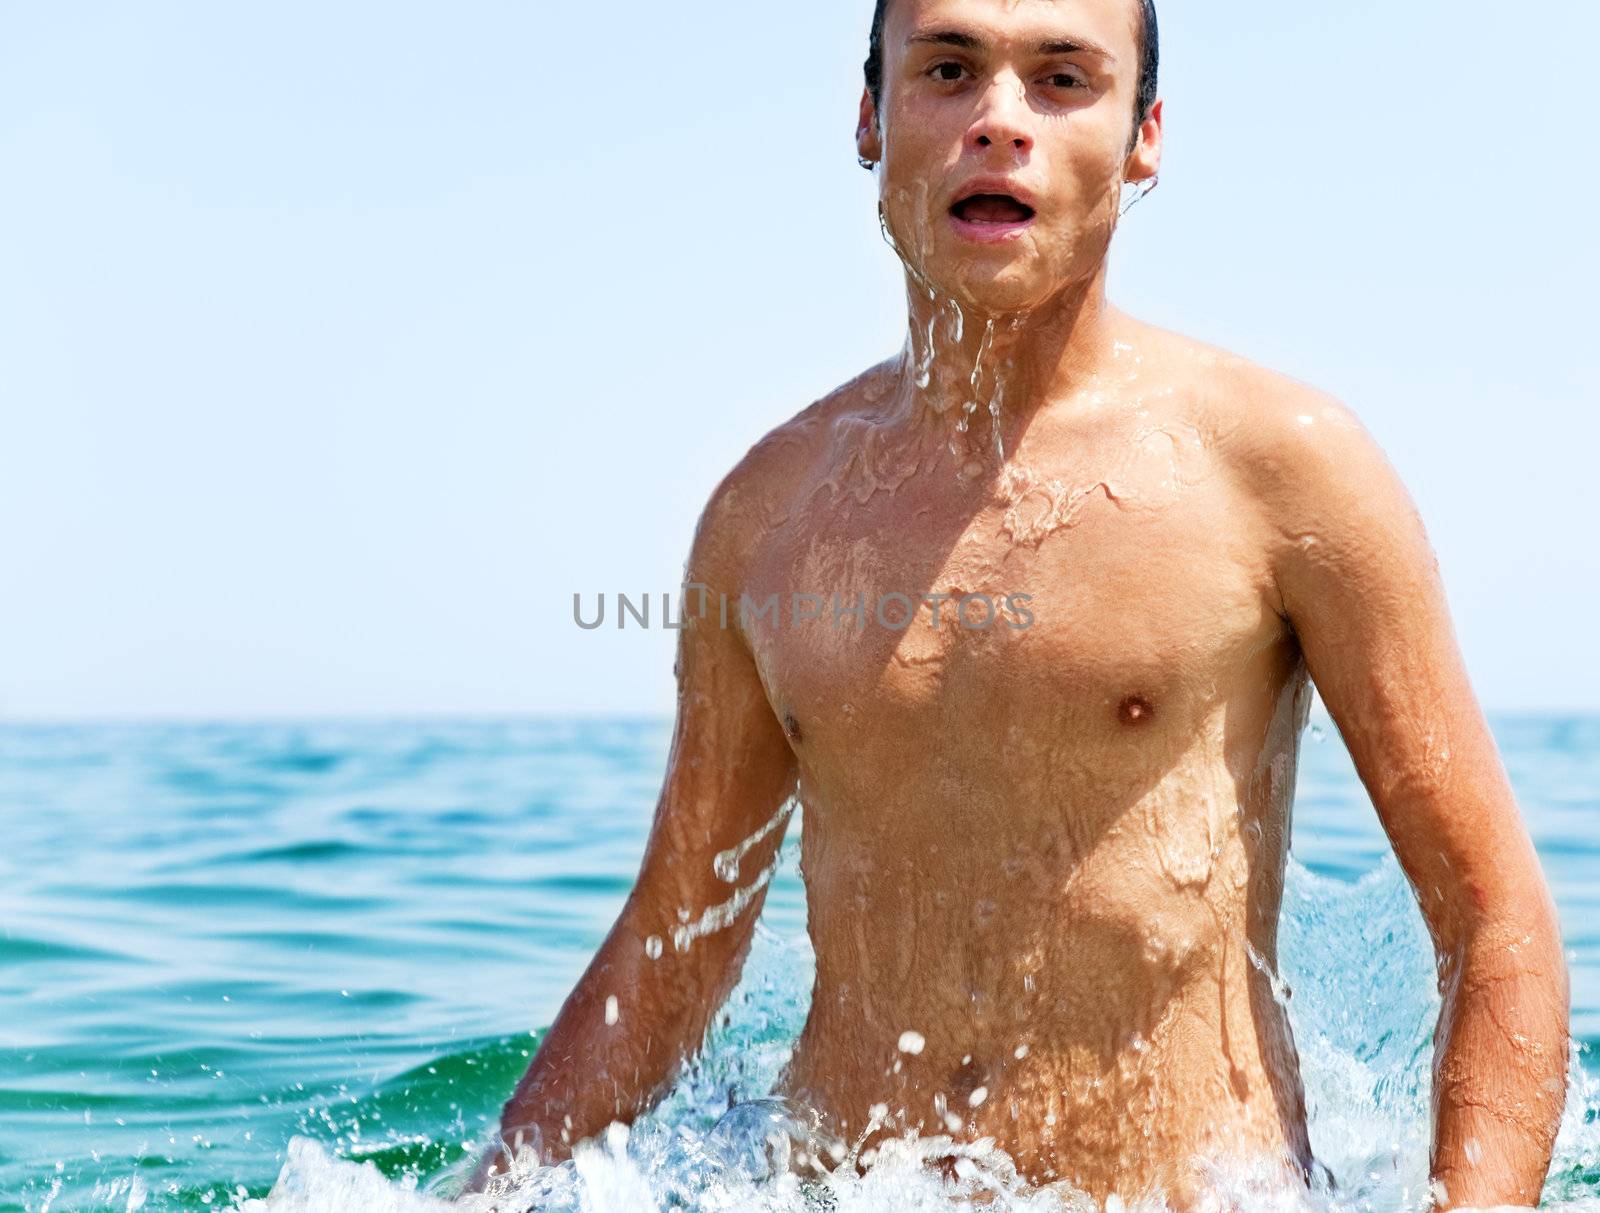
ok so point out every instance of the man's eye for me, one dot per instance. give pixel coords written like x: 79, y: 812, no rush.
x: 1064, y: 80
x: 949, y: 73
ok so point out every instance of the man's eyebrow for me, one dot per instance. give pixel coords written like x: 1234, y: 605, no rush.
x: 1070, y: 46
x: 1052, y: 46
x: 947, y: 37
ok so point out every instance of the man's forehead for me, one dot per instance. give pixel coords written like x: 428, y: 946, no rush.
x: 1113, y: 24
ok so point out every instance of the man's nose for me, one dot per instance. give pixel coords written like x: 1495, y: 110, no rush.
x: 1003, y: 117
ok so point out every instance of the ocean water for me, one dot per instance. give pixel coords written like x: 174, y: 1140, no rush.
x: 299, y: 966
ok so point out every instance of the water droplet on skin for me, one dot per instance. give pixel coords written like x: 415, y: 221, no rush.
x: 977, y: 1097
x: 1281, y: 992
x: 912, y: 1042
x: 652, y: 947
x: 1020, y: 1052
x: 611, y: 1010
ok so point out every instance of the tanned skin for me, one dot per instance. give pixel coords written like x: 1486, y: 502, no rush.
x: 1054, y: 854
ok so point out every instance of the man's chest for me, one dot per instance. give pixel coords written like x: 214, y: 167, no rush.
x: 1115, y: 604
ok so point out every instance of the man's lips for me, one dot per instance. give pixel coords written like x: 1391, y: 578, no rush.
x: 992, y: 208
x: 987, y: 217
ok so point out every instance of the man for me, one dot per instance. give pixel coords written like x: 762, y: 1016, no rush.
x: 1044, y: 857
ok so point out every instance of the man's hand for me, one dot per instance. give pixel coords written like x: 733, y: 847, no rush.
x: 1359, y: 584
x: 644, y: 1003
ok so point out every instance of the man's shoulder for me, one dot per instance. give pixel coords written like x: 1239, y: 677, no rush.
x: 762, y: 487
x: 1285, y: 442
x: 784, y: 456
x: 1303, y: 465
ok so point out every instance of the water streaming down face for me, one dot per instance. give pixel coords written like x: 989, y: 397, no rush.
x: 971, y: 306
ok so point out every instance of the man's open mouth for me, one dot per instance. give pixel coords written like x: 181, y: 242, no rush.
x: 996, y: 209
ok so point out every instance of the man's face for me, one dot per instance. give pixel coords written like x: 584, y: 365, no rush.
x: 1030, y: 105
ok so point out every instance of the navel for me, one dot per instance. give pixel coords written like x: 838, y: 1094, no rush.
x: 1135, y: 710
x: 791, y: 727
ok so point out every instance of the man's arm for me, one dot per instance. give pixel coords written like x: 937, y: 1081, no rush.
x: 729, y: 772
x: 1359, y: 583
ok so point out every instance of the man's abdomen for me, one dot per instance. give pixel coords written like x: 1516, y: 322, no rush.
x: 1103, y: 1017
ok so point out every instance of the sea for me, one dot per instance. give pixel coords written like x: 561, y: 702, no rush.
x: 299, y: 966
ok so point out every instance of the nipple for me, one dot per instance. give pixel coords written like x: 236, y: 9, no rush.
x: 1135, y: 710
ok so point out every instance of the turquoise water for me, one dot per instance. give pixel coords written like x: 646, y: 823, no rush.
x: 234, y: 957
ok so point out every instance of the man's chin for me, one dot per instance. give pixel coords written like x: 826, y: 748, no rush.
x: 996, y: 291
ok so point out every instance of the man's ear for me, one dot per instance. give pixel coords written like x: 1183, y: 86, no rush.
x: 1144, y: 161
x: 869, y: 142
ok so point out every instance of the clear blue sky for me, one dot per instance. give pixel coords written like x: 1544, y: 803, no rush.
x: 340, y: 344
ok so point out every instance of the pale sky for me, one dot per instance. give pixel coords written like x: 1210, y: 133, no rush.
x: 341, y: 344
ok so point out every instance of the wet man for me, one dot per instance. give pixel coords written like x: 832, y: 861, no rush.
x: 1044, y: 863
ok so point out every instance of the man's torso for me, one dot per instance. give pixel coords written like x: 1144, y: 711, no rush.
x: 1043, y: 857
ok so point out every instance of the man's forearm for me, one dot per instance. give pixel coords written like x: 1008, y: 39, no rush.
x: 615, y: 1045
x: 584, y: 1077
x: 1500, y: 1069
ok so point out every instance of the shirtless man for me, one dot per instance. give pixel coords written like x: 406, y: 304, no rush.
x: 1044, y: 859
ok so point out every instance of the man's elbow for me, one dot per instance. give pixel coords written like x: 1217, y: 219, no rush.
x: 1511, y: 954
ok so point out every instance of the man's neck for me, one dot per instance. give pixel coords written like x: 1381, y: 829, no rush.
x: 980, y: 379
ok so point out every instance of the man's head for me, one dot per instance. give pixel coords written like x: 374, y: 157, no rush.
x: 1149, y: 59
x: 1002, y: 131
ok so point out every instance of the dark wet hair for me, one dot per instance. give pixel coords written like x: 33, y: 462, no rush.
x: 1149, y: 58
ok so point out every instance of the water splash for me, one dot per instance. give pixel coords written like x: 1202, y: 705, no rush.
x: 1361, y: 966
x: 722, y: 915
x: 726, y: 864
x: 690, y: 927
x: 1133, y: 193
